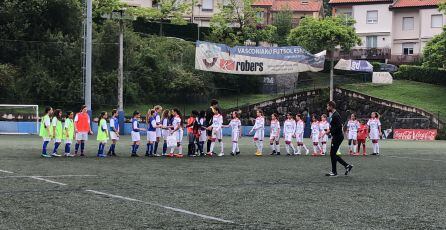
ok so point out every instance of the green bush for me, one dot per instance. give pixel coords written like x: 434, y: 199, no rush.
x: 421, y: 74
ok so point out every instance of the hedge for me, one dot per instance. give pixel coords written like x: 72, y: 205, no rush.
x: 421, y: 74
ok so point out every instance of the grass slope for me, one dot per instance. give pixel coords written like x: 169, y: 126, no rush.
x: 402, y: 189
x: 431, y: 98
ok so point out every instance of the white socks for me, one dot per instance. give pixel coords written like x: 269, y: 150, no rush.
x: 221, y: 146
x: 213, y: 146
x: 287, y: 147
x: 234, y: 147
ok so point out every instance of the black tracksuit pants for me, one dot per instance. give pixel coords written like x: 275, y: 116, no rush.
x: 335, y: 143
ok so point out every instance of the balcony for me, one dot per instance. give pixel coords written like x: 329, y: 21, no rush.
x: 404, y: 59
x: 365, y: 54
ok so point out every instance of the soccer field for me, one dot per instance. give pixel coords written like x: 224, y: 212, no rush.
x: 405, y: 188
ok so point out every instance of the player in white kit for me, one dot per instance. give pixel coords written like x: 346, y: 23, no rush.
x: 235, y: 125
x: 259, y: 129
x: 352, y: 134
x: 374, y: 131
x: 177, y: 131
x: 300, y: 127
x: 217, y: 132
x: 323, y: 137
x: 289, y: 130
x: 315, y: 132
x: 274, y: 135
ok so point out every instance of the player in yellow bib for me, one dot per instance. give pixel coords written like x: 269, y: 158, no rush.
x: 45, y: 130
x: 56, y: 124
x: 68, y: 133
x: 102, y: 133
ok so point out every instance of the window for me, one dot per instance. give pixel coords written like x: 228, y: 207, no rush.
x: 208, y: 5
x: 436, y: 20
x: 261, y: 16
x: 348, y: 14
x: 304, y: 2
x: 408, y: 23
x: 372, y: 17
x: 371, y: 41
x: 407, y: 48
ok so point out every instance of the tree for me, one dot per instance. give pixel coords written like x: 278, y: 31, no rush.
x: 434, y: 53
x: 238, y: 22
x: 283, y: 21
x: 317, y: 35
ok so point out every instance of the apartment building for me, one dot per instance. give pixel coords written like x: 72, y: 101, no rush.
x: 138, y: 3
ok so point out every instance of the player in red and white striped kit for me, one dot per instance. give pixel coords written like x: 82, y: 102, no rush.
x: 323, y: 137
x: 352, y: 134
x: 289, y: 130
x: 300, y: 127
x: 274, y: 135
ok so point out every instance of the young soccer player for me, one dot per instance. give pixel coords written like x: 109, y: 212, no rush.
x: 136, y: 137
x: 374, y: 126
x: 202, y: 132
x: 151, y: 132
x: 191, y: 123
x: 324, y: 127
x: 352, y: 134
x: 235, y: 125
x: 274, y: 135
x: 45, y: 130
x: 158, y: 109
x: 259, y: 128
x: 217, y: 132
x: 177, y: 131
x: 69, y: 133
x: 165, y: 132
x: 114, y: 132
x: 102, y: 135
x: 315, y: 132
x: 362, y: 136
x: 300, y: 128
x: 56, y: 123
x: 289, y: 130
x: 81, y: 128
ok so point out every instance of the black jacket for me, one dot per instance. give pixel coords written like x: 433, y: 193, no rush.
x: 336, y: 125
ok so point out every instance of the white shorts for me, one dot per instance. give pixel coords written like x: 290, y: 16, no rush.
x: 288, y: 137
x: 68, y: 141
x: 203, y: 136
x: 374, y: 135
x: 274, y: 138
x: 178, y: 135
x: 151, y: 136
x: 315, y: 138
x: 300, y: 137
x: 165, y: 133
x: 46, y: 138
x: 259, y: 135
x: 113, y: 136
x: 56, y: 140
x: 324, y: 138
x: 81, y: 136
x: 159, y: 132
x: 235, y: 135
x: 136, y: 136
x: 353, y: 136
x: 217, y: 134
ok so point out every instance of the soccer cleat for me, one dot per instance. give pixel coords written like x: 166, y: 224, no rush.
x: 348, y: 168
x: 209, y: 154
x: 374, y: 154
x: 273, y: 152
x: 45, y: 155
x: 101, y: 155
x: 237, y: 153
x: 331, y: 174
x: 170, y: 155
x: 179, y: 155
x: 356, y: 154
x: 258, y: 153
x: 55, y: 155
x: 134, y: 155
x: 364, y: 154
x: 278, y: 153
x: 307, y: 152
x: 232, y: 154
x: 82, y: 155
x: 315, y: 154
x: 296, y: 153
x: 221, y: 154
x: 322, y: 154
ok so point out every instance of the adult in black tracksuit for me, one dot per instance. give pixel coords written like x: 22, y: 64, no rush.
x: 208, y: 122
x: 337, y: 136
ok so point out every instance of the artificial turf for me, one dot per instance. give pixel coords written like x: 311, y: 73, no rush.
x: 404, y: 188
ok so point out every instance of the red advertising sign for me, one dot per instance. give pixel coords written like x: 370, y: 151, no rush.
x: 415, y: 134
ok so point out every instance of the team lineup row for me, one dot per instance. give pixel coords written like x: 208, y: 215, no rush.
x: 202, y: 127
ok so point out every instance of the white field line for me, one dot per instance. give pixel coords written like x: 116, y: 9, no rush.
x: 161, y: 206
x: 55, y: 176
x: 4, y: 171
x: 415, y: 158
x: 46, y: 180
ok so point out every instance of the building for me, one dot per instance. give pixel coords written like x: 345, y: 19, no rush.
x: 414, y: 24
x: 299, y: 9
x: 373, y: 26
x: 391, y: 30
x: 138, y: 3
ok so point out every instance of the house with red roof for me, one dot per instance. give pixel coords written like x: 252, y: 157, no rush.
x: 299, y: 8
x: 414, y: 23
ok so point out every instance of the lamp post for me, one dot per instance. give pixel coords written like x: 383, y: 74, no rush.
x: 198, y: 25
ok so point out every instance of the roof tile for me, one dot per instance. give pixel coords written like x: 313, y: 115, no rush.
x: 415, y: 3
x: 293, y: 5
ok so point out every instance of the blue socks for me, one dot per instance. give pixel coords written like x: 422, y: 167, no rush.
x: 82, y: 147
x: 45, y: 144
x: 134, y: 148
x: 76, y: 148
x: 164, y: 148
x: 56, y: 146
x: 112, y: 148
x: 67, y: 148
x: 101, y: 149
x: 155, y: 149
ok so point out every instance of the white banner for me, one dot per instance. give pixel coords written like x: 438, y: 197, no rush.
x: 252, y: 60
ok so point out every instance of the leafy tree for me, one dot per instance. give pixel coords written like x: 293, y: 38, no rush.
x: 327, y: 8
x: 238, y: 22
x: 434, y: 53
x: 283, y: 21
